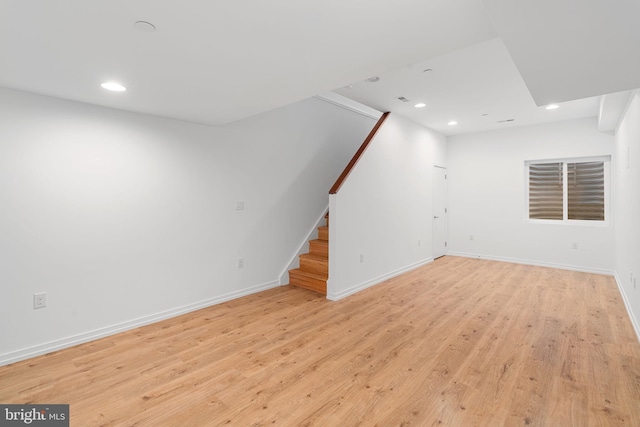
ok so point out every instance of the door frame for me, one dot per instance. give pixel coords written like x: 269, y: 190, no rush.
x: 444, y: 215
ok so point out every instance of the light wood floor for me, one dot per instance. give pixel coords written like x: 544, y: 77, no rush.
x: 460, y: 342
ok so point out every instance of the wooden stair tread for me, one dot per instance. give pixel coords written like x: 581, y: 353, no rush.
x: 312, y: 281
x: 314, y: 266
x: 319, y: 247
x: 301, y: 272
x: 315, y: 257
x: 315, y: 263
x: 323, y: 233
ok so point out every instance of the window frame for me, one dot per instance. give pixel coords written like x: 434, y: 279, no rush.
x: 606, y: 159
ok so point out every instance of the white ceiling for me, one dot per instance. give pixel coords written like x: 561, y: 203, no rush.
x: 478, y: 86
x: 214, y: 62
x: 570, y: 49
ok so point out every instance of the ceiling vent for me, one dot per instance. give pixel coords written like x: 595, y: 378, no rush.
x: 505, y: 121
x: 403, y: 99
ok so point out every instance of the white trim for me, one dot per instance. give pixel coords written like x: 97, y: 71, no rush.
x: 445, y: 218
x: 627, y: 304
x: 349, y: 104
x: 369, y: 283
x: 535, y: 263
x: 333, y: 249
x: 571, y: 222
x: 283, y: 278
x: 565, y: 192
x: 585, y: 159
x: 612, y: 106
x: 634, y: 93
x: 608, y: 199
x: 38, y: 350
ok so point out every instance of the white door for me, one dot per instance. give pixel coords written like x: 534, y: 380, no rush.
x: 439, y: 211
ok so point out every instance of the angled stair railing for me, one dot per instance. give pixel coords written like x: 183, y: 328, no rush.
x: 343, y: 176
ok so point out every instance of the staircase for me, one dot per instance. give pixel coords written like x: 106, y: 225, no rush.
x: 314, y: 266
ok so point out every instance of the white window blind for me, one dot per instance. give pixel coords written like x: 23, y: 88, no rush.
x: 546, y: 191
x: 586, y: 191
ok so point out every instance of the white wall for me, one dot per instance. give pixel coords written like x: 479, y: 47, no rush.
x: 124, y: 219
x: 384, y: 208
x: 627, y: 208
x: 487, y: 197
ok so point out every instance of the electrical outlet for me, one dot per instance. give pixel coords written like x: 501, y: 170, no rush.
x: 40, y: 300
x: 240, y: 205
x: 419, y: 243
x: 361, y: 258
x: 575, y: 245
x: 240, y: 262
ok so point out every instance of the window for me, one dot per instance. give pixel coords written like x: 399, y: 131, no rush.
x: 574, y: 190
x: 546, y: 191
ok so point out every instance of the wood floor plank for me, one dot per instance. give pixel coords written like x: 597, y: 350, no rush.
x: 459, y: 342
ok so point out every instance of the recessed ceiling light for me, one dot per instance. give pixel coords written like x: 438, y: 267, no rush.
x: 420, y: 105
x: 452, y: 123
x: 552, y: 106
x: 145, y: 26
x: 113, y: 86
x: 373, y: 79
x: 427, y: 70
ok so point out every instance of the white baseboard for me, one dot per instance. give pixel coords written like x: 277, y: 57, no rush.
x: 627, y: 304
x: 38, y: 350
x: 535, y: 263
x: 357, y: 288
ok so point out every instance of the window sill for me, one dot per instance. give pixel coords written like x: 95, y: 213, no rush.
x: 580, y: 223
